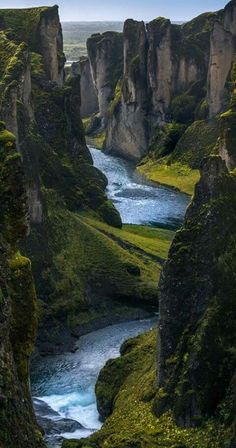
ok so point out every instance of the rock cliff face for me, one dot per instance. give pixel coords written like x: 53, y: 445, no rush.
x: 196, y: 300
x: 105, y: 52
x: 222, y: 53
x: 89, y: 96
x: 167, y: 68
x: 18, y: 322
x: 127, y: 127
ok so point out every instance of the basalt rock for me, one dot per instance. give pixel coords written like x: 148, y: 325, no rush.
x: 105, y: 52
x: 197, y: 306
x: 18, y: 321
x: 89, y: 96
x: 127, y: 126
x: 171, y: 72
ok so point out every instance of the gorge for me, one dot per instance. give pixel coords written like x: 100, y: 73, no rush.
x: 89, y: 251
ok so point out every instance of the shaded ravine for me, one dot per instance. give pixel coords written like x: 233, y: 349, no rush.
x: 63, y: 386
x: 138, y: 200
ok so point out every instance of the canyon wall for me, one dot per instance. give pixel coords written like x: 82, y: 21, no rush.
x: 166, y: 68
x: 105, y: 53
x: 18, y: 306
x: 196, y: 367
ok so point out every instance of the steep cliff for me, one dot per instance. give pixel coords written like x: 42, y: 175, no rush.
x: 89, y: 96
x: 193, y: 403
x: 18, y: 322
x: 105, y: 52
x: 63, y: 185
x: 177, y: 74
x: 127, y: 126
x: 207, y: 45
x: 197, y: 306
x: 40, y: 29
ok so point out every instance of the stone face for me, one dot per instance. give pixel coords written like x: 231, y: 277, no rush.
x: 221, y: 57
x: 105, y: 52
x: 89, y: 97
x: 127, y: 127
x: 196, y: 299
x: 164, y: 61
x: 50, y: 44
x: 18, y: 322
x: 160, y: 65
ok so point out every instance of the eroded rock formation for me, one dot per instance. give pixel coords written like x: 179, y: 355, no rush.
x: 196, y: 300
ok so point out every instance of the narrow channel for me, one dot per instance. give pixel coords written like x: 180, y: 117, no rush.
x: 63, y: 385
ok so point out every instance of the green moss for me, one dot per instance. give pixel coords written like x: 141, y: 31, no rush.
x: 176, y: 175
x: 22, y: 24
x: 7, y: 137
x: 198, y: 141
x: 116, y: 100
x: 183, y: 108
x: 165, y: 139
x: 98, y: 140
x: 24, y: 320
x: 127, y: 387
x: 37, y: 67
x: 91, y: 257
x: 110, y: 215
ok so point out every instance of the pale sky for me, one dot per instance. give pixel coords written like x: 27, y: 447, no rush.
x: 115, y: 10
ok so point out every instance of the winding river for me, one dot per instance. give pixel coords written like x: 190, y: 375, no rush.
x: 140, y: 201
x: 63, y: 386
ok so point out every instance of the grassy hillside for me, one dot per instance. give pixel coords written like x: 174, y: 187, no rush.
x: 97, y: 266
x: 131, y: 391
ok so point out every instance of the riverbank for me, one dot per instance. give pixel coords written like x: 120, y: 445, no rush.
x: 178, y: 176
x: 126, y: 389
x: 128, y: 262
x: 64, y: 385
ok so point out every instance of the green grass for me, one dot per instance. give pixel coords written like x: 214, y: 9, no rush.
x: 176, y: 175
x: 153, y: 241
x: 132, y: 423
x: 98, y: 140
x: 93, y: 258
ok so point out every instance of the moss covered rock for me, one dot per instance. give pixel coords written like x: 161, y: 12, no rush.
x: 18, y: 321
x: 198, y: 345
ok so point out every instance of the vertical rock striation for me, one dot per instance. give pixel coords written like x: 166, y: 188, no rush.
x: 127, y: 127
x: 18, y: 321
x: 197, y: 304
x: 105, y: 52
x: 89, y: 97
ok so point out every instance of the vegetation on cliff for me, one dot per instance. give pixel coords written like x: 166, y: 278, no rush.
x: 126, y: 390
x: 195, y: 341
x: 18, y: 322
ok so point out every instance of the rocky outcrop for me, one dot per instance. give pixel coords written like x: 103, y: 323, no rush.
x: 89, y: 97
x: 222, y: 53
x: 18, y: 322
x: 105, y: 52
x: 196, y: 300
x: 160, y: 63
x: 42, y: 32
x: 127, y: 127
x: 50, y: 44
x: 171, y: 72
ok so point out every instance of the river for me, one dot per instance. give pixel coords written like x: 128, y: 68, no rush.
x: 63, y: 385
x: 140, y: 201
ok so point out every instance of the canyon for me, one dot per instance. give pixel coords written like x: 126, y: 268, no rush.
x: 72, y: 260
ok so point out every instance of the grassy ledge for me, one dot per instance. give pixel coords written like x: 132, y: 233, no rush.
x: 176, y: 175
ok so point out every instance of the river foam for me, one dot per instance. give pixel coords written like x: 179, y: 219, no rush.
x: 139, y: 201
x: 66, y: 383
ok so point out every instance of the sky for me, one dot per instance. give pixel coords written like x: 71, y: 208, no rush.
x: 119, y: 10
